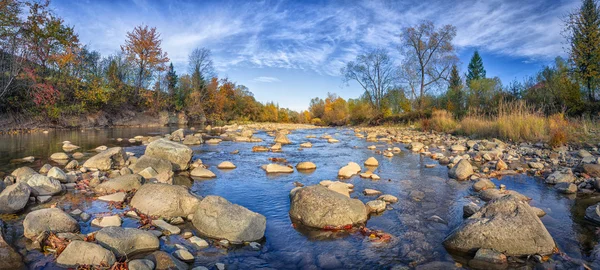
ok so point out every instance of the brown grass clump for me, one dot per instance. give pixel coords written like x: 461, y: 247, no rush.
x: 558, y: 125
x: 443, y: 121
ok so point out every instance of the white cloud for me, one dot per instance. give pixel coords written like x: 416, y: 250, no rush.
x: 266, y: 79
x: 319, y: 37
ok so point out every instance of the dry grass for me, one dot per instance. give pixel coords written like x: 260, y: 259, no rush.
x: 441, y: 120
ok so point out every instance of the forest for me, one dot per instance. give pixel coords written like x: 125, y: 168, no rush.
x: 47, y: 72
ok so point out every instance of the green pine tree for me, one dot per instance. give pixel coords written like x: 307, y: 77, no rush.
x: 455, y: 93
x: 172, y: 80
x: 584, y: 26
x: 476, y: 70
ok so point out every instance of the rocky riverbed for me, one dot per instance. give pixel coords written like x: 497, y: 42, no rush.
x: 294, y: 196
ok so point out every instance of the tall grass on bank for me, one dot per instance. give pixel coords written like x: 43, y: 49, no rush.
x: 513, y: 121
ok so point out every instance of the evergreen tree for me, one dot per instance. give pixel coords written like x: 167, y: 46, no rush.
x: 584, y: 26
x: 172, y: 80
x: 455, y: 95
x: 476, y: 70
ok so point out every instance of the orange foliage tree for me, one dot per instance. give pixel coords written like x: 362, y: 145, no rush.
x: 142, y: 48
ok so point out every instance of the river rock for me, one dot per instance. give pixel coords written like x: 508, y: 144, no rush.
x: 282, y: 139
x: 506, y: 224
x: 318, y: 207
x: 483, y: 184
x: 72, y: 165
x: 140, y: 264
x: 48, y: 219
x: 592, y: 169
x: 470, y: 209
x: 305, y: 166
x: 490, y: 194
x: 183, y: 255
x: 158, y: 164
x: 108, y: 221
x: 277, y: 168
x: 23, y: 173
x: 566, y: 188
x: 80, y: 253
x: 416, y: 146
x: 178, y: 154
x: 164, y: 200
x: 44, y: 169
x: 192, y: 140
x: 371, y: 162
x: 349, y: 170
x: 376, y: 206
x: 120, y: 183
x: 462, y: 170
x: 57, y: 174
x: 565, y: 176
x: 388, y: 198
x: 125, y: 242
x: 43, y: 185
x: 306, y: 145
x: 107, y: 160
x: 371, y: 192
x: 218, y: 218
x: 339, y: 187
x: 501, y: 165
x: 165, y: 226
x: 148, y: 173
x: 14, y: 198
x: 59, y: 156
x: 163, y: 261
x: 592, y: 213
x: 9, y: 257
x: 202, y: 173
x: 116, y: 197
x: 226, y: 165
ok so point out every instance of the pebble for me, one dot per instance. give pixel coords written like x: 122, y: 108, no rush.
x: 183, y: 255
x: 255, y: 246
x: 201, y: 243
x: 166, y: 226
x: 220, y: 266
x: 114, y: 220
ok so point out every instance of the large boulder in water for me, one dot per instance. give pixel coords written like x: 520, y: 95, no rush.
x: 164, y: 200
x: 507, y: 224
x: 349, y: 170
x: 462, y: 170
x: 48, y: 219
x: 42, y: 185
x: 218, y: 218
x: 178, y: 154
x: 23, y: 173
x: 14, y: 198
x: 125, y: 242
x: 80, y: 253
x: 158, y: 164
x: 107, y: 159
x: 282, y: 138
x: 120, y: 183
x: 319, y: 207
x: 9, y: 257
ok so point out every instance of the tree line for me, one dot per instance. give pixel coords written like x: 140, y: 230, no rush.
x: 46, y: 71
x: 428, y: 78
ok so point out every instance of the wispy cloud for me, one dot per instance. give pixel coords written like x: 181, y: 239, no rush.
x: 266, y: 79
x: 319, y: 37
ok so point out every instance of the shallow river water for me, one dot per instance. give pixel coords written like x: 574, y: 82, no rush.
x: 417, y: 239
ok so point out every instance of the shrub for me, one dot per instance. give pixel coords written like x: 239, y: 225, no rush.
x: 558, y: 130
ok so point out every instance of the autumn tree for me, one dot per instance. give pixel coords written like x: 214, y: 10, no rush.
x: 475, y: 70
x: 336, y: 110
x: 428, y: 57
x: 317, y: 107
x: 142, y: 48
x: 584, y: 40
x: 374, y: 72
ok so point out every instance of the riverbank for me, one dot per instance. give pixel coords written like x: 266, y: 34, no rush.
x: 14, y: 124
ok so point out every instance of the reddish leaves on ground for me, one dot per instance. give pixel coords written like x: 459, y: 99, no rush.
x: 376, y: 235
x: 55, y: 243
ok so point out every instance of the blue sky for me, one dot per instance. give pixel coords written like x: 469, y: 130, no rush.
x: 292, y: 51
